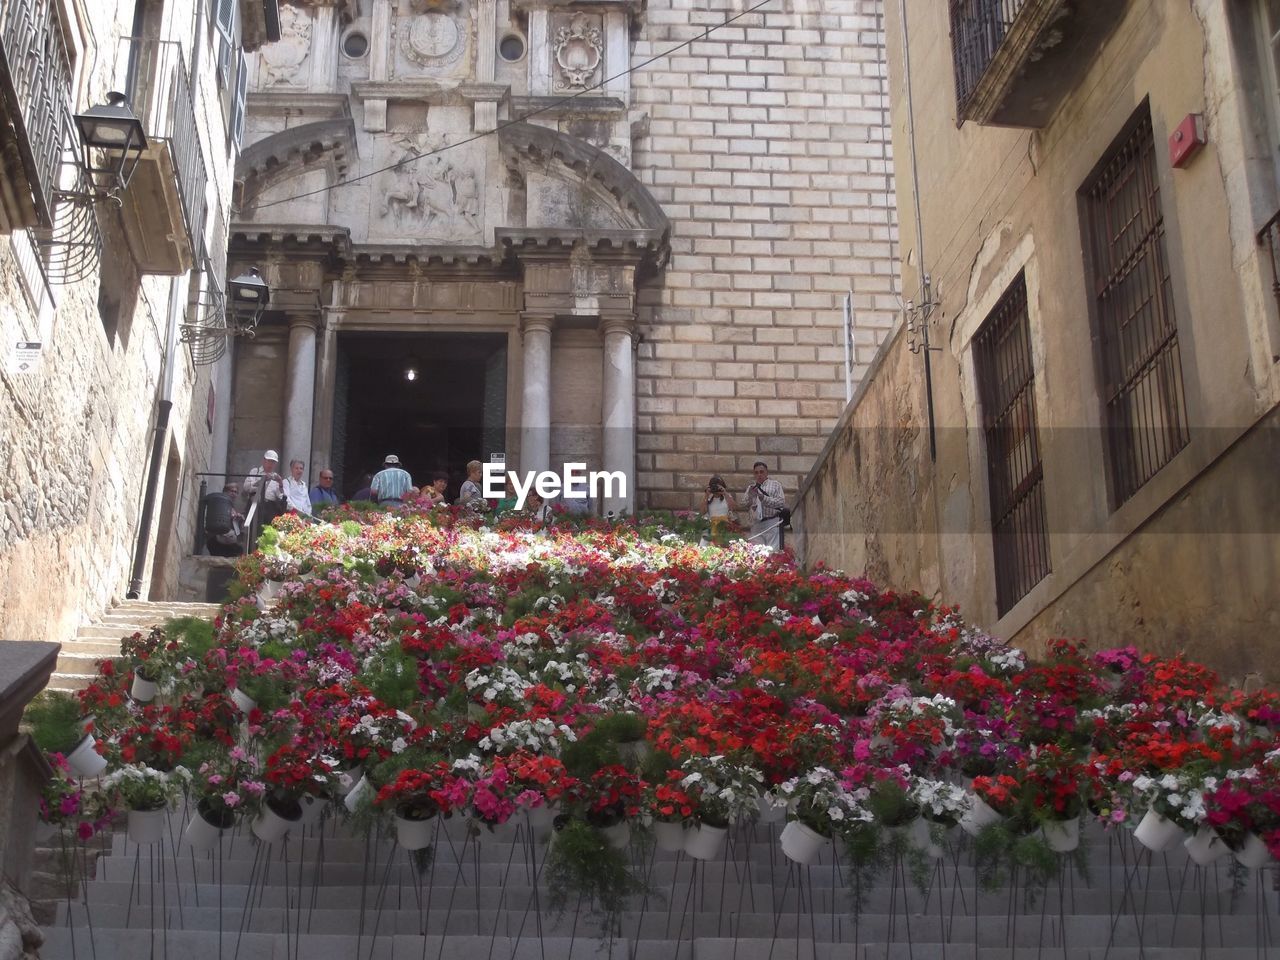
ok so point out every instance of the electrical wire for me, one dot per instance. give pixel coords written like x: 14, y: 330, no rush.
x: 413, y: 158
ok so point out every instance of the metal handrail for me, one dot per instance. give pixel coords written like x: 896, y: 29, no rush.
x: 978, y: 28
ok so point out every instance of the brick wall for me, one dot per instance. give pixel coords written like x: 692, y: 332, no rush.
x: 767, y: 146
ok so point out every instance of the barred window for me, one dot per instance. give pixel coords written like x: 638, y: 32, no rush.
x: 1136, y: 329
x: 1006, y: 390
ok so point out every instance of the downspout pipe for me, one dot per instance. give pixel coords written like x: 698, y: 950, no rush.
x: 164, y: 406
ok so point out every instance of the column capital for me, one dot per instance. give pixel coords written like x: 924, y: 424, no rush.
x: 618, y: 322
x: 311, y: 320
x: 531, y: 322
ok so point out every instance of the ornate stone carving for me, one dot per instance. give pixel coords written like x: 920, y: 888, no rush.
x: 429, y: 195
x: 578, y: 50
x: 433, y: 39
x: 282, y: 61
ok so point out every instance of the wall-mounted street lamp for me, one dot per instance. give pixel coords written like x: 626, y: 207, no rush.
x: 247, y: 298
x: 115, y: 130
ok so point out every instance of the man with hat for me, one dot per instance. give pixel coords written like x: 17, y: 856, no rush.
x: 268, y: 478
x: 391, y: 483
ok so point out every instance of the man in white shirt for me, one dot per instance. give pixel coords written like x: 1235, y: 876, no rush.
x: 266, y: 477
x: 766, y: 501
x: 296, y: 493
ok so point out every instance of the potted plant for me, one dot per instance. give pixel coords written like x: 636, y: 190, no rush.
x: 1052, y: 794
x: 152, y: 657
x: 224, y: 781
x: 627, y: 729
x: 992, y: 800
x: 721, y: 790
x: 147, y: 794
x: 416, y: 797
x: 583, y: 866
x: 820, y: 807
x: 671, y: 809
x: 61, y: 799
x: 58, y: 728
x: 297, y: 779
x: 942, y: 805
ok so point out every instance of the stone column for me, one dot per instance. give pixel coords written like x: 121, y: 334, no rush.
x: 325, y: 31
x: 299, y: 392
x: 535, y: 408
x: 618, y: 418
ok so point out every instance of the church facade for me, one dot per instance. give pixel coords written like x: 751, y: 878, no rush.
x: 495, y: 227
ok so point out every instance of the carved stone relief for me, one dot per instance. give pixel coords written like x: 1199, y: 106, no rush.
x: 433, y: 38
x: 578, y: 50
x: 282, y: 62
x: 429, y: 197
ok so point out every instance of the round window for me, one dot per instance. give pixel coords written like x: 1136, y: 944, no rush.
x: 511, y: 47
x: 355, y: 45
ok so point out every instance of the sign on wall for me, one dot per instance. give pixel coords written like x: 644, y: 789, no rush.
x: 24, y: 357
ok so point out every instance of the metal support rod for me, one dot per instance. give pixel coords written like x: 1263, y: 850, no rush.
x: 149, y: 499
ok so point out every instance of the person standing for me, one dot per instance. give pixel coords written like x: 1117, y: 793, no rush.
x: 471, y: 495
x: 266, y: 479
x: 392, y: 483
x: 223, y: 523
x: 720, y: 504
x: 766, y: 501
x: 323, y: 495
x: 433, y: 493
x: 295, y: 489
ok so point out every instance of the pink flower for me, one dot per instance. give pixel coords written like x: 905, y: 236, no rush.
x: 231, y: 799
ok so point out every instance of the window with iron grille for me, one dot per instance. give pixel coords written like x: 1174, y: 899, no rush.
x: 1135, y: 325
x: 1006, y: 390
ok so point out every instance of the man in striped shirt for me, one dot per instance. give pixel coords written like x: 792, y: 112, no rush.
x: 766, y: 501
x: 391, y: 483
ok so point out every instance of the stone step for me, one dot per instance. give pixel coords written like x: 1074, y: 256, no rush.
x: 77, y: 664
x: 69, y: 682
x: 104, y: 649
x: 63, y: 943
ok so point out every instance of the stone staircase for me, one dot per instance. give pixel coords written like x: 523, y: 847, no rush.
x: 101, y: 638
x: 326, y: 894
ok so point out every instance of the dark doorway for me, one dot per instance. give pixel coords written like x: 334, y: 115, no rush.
x: 435, y: 400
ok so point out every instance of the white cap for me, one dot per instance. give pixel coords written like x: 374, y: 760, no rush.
x: 271, y: 455
x: 391, y: 458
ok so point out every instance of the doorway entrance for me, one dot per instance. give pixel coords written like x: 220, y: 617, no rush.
x: 435, y: 400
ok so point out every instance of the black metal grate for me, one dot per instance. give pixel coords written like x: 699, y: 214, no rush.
x: 1146, y: 421
x: 978, y: 27
x: 1270, y: 235
x: 1006, y: 388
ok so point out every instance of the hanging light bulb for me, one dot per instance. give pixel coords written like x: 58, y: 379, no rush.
x: 411, y: 373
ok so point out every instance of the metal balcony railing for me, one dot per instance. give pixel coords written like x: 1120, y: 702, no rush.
x: 35, y: 79
x: 978, y: 27
x: 1270, y: 236
x: 159, y: 89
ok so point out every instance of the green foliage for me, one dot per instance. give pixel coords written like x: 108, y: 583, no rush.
x: 269, y: 541
x: 393, y: 677
x: 621, y: 727
x: 584, y: 868
x: 590, y: 753
x: 350, y: 528
x: 55, y: 721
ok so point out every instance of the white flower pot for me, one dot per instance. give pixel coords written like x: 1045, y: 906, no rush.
x: 979, y: 816
x: 270, y: 826
x: 1204, y: 846
x: 414, y: 834
x: 312, y: 809
x: 349, y: 779
x: 1254, y: 855
x: 669, y: 836
x: 634, y: 751
x: 619, y: 835
x: 802, y: 844
x: 85, y: 760
x: 358, y: 793
x: 243, y: 701
x: 47, y: 831
x: 267, y: 592
x: 413, y: 582
x: 142, y: 690
x: 147, y: 826
x: 704, y: 842
x: 921, y: 833
x: 1157, y: 833
x: 201, y: 835
x: 1063, y: 836
x: 540, y: 818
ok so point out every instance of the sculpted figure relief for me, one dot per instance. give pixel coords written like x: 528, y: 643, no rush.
x: 282, y: 61
x: 430, y: 194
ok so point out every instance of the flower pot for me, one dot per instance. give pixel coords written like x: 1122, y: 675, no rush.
x: 1063, y: 836
x: 1204, y: 846
x: 539, y: 818
x: 242, y: 700
x: 348, y: 780
x: 205, y: 829
x: 147, y: 826
x: 413, y: 582
x: 1157, y: 833
x: 921, y: 834
x: 84, y: 760
x: 358, y: 793
x: 143, y: 690
x: 979, y: 816
x: 801, y: 843
x: 414, y: 834
x: 267, y: 592
x: 313, y: 808
x: 633, y: 751
x: 1255, y: 854
x: 272, y: 825
x: 669, y: 836
x: 47, y: 831
x: 704, y: 842
x: 618, y: 835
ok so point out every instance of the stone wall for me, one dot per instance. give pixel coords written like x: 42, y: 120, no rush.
x: 766, y: 147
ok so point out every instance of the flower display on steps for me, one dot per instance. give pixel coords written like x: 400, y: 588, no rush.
x: 494, y: 672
